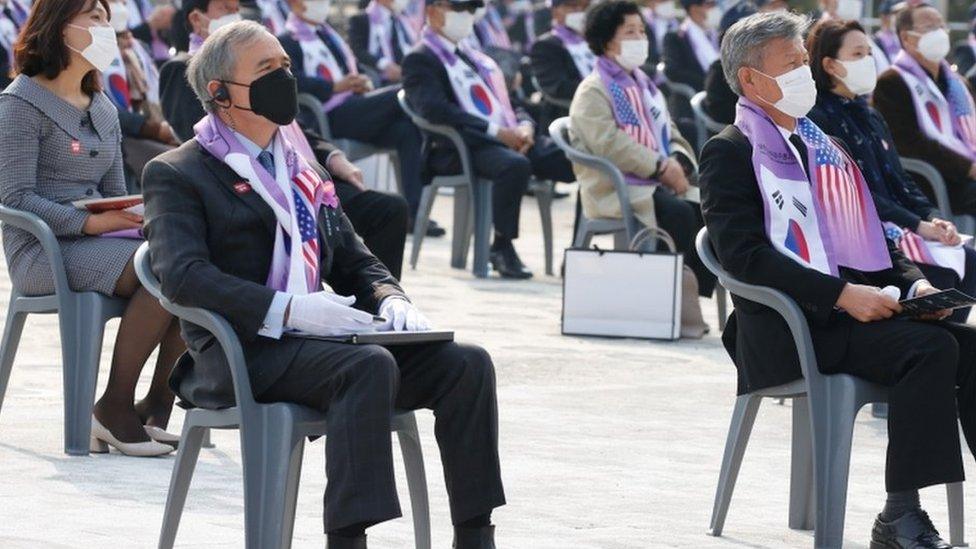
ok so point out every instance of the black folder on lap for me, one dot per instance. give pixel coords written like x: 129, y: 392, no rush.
x: 946, y: 299
x: 386, y: 338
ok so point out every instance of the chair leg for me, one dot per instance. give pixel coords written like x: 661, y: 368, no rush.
x: 420, y: 222
x: 620, y: 241
x: 81, y: 347
x: 413, y: 462
x: 957, y: 516
x: 721, y: 299
x: 207, y: 443
x: 802, y: 505
x: 582, y: 237
x: 481, y: 192
x: 543, y: 195
x: 833, y: 434
x: 461, y: 232
x: 743, y: 416
x: 272, y: 458
x: 397, y: 175
x: 12, y: 330
x: 179, y: 484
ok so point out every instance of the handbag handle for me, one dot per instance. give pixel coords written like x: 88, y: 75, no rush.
x: 652, y: 232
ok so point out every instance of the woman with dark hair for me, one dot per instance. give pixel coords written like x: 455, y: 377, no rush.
x: 844, y: 70
x: 619, y: 114
x: 60, y: 143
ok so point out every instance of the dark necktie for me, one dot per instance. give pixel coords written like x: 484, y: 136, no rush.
x: 467, y: 60
x: 335, y: 49
x: 395, y: 41
x: 801, y: 148
x: 267, y: 162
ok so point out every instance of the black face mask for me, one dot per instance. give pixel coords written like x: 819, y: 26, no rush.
x: 273, y: 96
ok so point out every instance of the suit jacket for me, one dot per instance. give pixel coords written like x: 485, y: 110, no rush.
x: 181, y: 108
x: 680, y: 63
x: 893, y: 100
x: 315, y: 85
x: 359, y: 42
x: 541, y: 22
x: 963, y: 57
x: 211, y: 247
x: 720, y: 100
x: 756, y: 337
x: 554, y: 68
x: 429, y: 92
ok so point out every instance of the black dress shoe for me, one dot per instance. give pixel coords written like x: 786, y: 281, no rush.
x: 341, y: 542
x: 913, y: 530
x: 474, y: 538
x: 508, y: 264
x: 434, y: 230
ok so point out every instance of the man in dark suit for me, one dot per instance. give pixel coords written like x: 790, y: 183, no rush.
x: 474, y: 100
x: 380, y: 36
x: 850, y: 318
x: 688, y: 52
x: 327, y: 68
x: 896, y: 101
x: 380, y: 218
x: 530, y: 22
x: 561, y: 59
x: 217, y: 243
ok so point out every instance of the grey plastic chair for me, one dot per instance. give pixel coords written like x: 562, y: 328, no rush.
x: 706, y: 126
x: 554, y: 101
x: 81, y: 318
x: 272, y: 444
x: 824, y: 410
x: 355, y: 150
x: 626, y: 227
x: 926, y: 171
x: 472, y: 203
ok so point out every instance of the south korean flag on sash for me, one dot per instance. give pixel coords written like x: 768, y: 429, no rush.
x: 793, y: 226
x: 474, y: 94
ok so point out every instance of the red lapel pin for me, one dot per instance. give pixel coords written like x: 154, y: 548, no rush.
x: 242, y: 188
x: 75, y: 147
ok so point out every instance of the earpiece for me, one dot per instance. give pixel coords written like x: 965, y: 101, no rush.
x: 221, y: 94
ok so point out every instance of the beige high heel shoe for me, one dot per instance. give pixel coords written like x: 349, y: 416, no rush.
x: 161, y: 435
x: 102, y: 438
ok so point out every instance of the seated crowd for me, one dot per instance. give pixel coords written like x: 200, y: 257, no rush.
x: 251, y: 203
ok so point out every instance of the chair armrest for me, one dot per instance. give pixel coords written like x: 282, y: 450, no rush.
x: 452, y: 135
x: 559, y: 130
x: 561, y: 103
x: 677, y: 88
x: 209, y: 321
x: 935, y: 180
x: 40, y: 230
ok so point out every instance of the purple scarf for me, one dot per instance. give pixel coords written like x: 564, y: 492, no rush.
x: 578, y: 49
x: 889, y: 43
x: 822, y: 219
x: 196, y: 42
x: 493, y: 29
x: 638, y: 108
x: 305, y: 33
x: 294, y: 268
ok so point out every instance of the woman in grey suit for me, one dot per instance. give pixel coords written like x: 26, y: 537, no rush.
x: 59, y: 142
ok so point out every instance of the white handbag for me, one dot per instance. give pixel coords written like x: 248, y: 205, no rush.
x: 628, y: 293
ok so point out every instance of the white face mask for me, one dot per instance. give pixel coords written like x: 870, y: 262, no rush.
x: 633, y: 53
x: 103, y: 50
x: 850, y: 9
x: 219, y: 22
x: 399, y: 6
x: 317, y: 11
x: 576, y: 21
x: 458, y: 25
x: 862, y: 75
x: 520, y: 6
x: 713, y: 18
x: 665, y: 10
x: 798, y: 89
x: 934, y: 45
x: 120, y: 17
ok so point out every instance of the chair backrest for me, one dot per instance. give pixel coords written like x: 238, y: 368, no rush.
x: 442, y: 130
x: 697, y: 106
x: 774, y: 299
x: 675, y: 88
x: 311, y: 104
x: 934, y: 180
x: 554, y: 101
x: 209, y: 321
x: 559, y: 131
x: 39, y: 229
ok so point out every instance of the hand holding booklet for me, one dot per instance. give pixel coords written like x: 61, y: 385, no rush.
x: 131, y: 202
x: 933, y: 303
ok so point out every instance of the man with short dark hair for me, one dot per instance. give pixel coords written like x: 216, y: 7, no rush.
x: 787, y: 208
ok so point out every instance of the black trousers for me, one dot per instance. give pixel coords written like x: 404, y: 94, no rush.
x: 944, y: 278
x: 358, y: 386
x: 510, y: 172
x: 928, y: 367
x: 682, y: 220
x: 380, y: 219
x: 377, y: 118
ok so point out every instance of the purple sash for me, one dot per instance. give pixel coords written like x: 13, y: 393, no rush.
x: 196, y: 42
x: 638, y: 108
x: 889, y: 43
x: 493, y: 29
x: 295, y: 194
x: 578, y: 49
x: 822, y: 218
x: 381, y: 23
x: 318, y: 58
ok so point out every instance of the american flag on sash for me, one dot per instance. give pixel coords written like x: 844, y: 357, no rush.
x: 837, y: 182
x: 961, y: 108
x: 910, y: 244
x: 308, y: 190
x: 629, y: 104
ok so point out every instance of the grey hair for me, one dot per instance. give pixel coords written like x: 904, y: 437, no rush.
x: 217, y: 57
x: 744, y: 43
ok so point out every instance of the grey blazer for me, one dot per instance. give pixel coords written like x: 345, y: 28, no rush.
x: 52, y: 153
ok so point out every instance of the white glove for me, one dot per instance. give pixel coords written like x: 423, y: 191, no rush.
x: 327, y: 314
x: 402, y: 316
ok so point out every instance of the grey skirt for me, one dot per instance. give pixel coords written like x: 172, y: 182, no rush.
x: 93, y: 264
